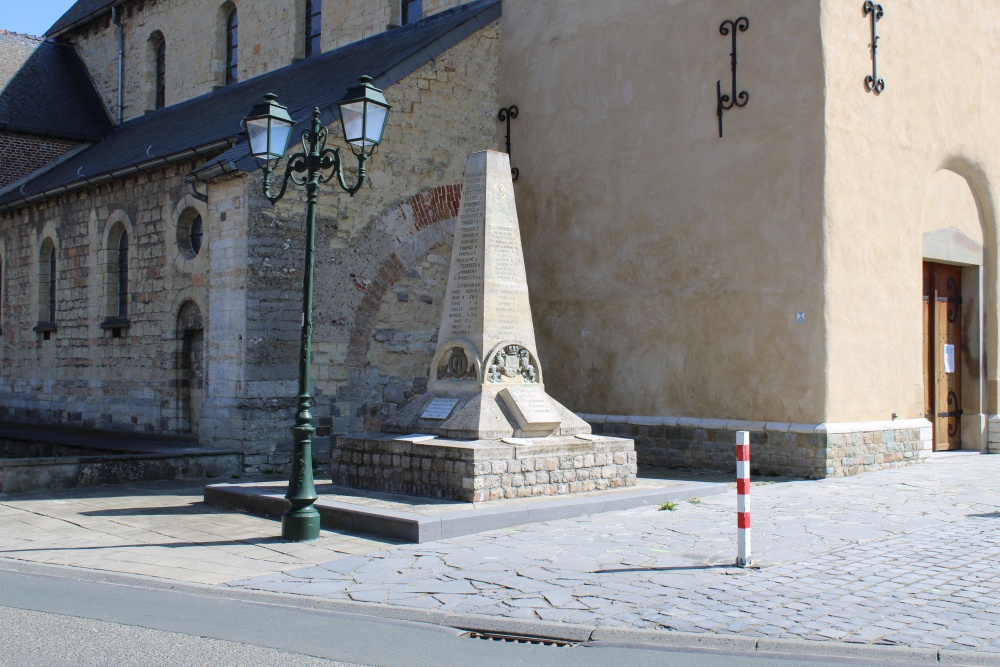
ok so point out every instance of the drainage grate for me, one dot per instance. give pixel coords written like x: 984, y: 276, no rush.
x: 519, y: 639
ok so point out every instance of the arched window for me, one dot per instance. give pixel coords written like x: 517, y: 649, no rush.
x: 116, y: 281
x: 412, y: 9
x: 122, y: 277
x: 232, y: 47
x: 51, y: 284
x: 314, y: 26
x: 160, y: 67
x: 46, y: 288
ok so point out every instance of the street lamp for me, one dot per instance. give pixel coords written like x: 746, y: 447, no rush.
x: 363, y: 112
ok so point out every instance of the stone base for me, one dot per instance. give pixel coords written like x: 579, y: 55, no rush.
x: 993, y: 439
x: 480, y: 470
x: 776, y: 448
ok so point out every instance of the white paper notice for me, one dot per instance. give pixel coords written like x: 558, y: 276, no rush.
x: 949, y: 358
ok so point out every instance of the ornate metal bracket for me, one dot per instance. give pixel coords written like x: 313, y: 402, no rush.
x: 872, y: 83
x: 740, y: 99
x: 508, y: 114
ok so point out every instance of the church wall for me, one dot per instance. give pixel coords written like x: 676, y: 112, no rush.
x: 921, y: 156
x: 83, y: 374
x: 380, y: 268
x: 271, y: 36
x: 667, y: 264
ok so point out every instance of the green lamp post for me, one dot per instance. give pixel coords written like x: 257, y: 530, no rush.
x: 363, y: 112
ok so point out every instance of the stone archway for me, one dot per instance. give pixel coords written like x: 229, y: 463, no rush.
x: 958, y: 236
x: 429, y: 219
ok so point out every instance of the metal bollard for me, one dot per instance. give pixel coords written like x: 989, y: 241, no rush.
x: 743, y: 497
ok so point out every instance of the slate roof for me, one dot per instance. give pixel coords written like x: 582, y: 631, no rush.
x: 45, y: 89
x: 211, y: 123
x: 81, y: 12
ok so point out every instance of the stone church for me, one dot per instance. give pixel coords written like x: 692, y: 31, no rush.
x: 782, y: 222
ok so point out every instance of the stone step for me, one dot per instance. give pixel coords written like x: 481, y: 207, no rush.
x: 419, y: 519
x: 44, y: 458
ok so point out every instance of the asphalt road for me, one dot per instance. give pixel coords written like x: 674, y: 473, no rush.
x: 66, y: 619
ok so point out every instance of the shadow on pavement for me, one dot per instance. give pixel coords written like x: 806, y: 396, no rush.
x: 193, y: 508
x: 666, y: 569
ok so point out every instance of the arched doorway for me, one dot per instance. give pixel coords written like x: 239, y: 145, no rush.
x: 954, y: 311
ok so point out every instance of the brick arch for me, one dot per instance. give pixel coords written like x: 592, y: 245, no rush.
x: 427, y: 211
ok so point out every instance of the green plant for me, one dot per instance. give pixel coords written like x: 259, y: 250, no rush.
x: 695, y: 501
x: 669, y: 505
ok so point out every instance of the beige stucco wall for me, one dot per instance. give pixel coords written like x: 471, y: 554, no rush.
x: 666, y: 265
x: 919, y: 157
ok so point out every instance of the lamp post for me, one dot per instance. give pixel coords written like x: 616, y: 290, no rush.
x: 363, y: 112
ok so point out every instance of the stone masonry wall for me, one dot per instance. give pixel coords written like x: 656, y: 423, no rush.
x: 993, y: 434
x: 32, y: 153
x: 271, y: 35
x: 83, y: 374
x: 346, y: 21
x: 476, y: 471
x: 382, y: 245
x: 812, y: 451
x: 378, y: 268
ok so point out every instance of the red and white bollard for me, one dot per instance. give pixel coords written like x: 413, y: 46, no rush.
x: 743, y: 497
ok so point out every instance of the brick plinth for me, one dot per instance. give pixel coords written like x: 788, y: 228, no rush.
x: 480, y: 470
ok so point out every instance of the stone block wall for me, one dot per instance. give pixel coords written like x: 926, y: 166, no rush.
x: 84, y: 374
x: 271, y: 35
x: 32, y: 153
x: 476, y: 471
x: 811, y: 451
x: 993, y: 434
x: 380, y: 278
x: 381, y: 270
x: 382, y: 255
x: 346, y: 21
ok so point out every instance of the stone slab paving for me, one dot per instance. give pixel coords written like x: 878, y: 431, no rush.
x: 158, y: 529
x: 909, y: 556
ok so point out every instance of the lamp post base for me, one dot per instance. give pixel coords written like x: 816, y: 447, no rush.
x: 301, y: 525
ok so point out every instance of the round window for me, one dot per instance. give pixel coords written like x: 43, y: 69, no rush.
x: 190, y: 233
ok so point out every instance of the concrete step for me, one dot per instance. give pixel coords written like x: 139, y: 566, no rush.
x: 418, y: 519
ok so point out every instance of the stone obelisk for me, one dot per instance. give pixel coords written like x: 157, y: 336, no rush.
x: 486, y: 381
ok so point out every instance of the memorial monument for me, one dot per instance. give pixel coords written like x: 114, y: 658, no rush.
x: 485, y: 429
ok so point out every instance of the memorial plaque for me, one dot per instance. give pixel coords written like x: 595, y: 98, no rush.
x: 531, y: 409
x: 439, y: 408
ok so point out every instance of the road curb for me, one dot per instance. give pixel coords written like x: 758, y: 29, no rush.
x: 579, y: 634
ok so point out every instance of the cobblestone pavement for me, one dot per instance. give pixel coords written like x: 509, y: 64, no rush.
x: 909, y: 556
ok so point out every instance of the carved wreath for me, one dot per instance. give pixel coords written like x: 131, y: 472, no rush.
x: 455, y: 366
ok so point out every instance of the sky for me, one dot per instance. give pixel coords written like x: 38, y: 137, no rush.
x: 31, y: 17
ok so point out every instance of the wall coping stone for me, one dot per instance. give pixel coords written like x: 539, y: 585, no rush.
x: 746, y: 425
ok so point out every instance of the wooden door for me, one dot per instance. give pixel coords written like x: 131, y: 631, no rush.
x: 942, y: 353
